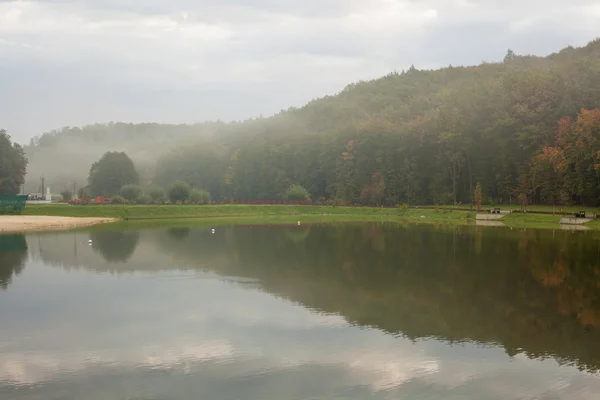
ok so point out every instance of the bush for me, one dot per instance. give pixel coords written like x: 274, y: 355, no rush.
x: 144, y: 198
x: 66, y: 195
x: 118, y: 200
x: 199, y: 196
x: 297, y: 192
x: 131, y: 192
x: 179, y: 192
x: 157, y: 194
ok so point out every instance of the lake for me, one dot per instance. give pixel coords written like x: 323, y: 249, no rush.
x: 331, y: 311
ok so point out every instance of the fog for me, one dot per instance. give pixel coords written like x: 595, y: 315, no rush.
x: 65, y: 157
x: 410, y: 137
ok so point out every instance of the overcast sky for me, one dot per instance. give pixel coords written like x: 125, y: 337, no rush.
x: 68, y: 62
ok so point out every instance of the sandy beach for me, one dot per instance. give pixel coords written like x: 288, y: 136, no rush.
x: 27, y: 223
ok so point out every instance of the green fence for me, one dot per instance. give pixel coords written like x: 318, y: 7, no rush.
x: 12, y: 204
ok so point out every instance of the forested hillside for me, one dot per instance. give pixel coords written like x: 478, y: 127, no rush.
x: 524, y: 127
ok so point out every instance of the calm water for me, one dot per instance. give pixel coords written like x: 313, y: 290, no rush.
x: 354, y: 311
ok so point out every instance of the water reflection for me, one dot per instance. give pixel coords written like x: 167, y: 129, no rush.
x: 115, y: 247
x: 13, y: 254
x: 179, y: 233
x: 352, y: 311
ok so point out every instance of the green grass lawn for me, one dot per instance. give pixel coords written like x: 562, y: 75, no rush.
x: 251, y: 214
x: 138, y: 212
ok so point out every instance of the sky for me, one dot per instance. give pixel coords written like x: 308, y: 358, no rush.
x: 76, y: 62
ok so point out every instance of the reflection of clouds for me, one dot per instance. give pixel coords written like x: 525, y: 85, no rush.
x: 392, y: 370
x: 35, y: 367
x: 192, y: 324
x: 204, y: 320
x: 161, y: 358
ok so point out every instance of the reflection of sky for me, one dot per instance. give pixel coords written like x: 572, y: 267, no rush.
x: 176, y: 334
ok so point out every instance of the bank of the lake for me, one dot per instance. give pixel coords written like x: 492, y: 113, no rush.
x: 243, y: 214
x: 32, y: 223
x: 164, y: 212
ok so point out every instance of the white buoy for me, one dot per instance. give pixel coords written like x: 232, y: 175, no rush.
x: 213, y: 231
x: 298, y: 223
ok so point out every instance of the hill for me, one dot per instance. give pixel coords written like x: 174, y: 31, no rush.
x: 525, y: 128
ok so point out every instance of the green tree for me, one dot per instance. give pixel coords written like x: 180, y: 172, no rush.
x: 200, y: 165
x: 179, y: 192
x: 199, y: 196
x: 297, y: 192
x: 109, y: 174
x: 144, y: 198
x: 13, y: 165
x: 131, y: 192
x: 157, y: 194
x: 118, y: 200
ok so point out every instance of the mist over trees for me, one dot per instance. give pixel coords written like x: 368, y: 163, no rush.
x: 526, y: 127
x: 13, y: 165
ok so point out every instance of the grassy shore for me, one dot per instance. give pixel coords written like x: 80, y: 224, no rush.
x: 253, y: 214
x: 153, y: 212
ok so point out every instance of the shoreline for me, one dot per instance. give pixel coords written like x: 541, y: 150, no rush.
x: 57, y: 217
x: 37, y: 223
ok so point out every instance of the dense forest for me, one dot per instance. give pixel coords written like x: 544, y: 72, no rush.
x: 526, y: 129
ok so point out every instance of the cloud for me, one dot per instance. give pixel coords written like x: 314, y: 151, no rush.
x: 73, y: 62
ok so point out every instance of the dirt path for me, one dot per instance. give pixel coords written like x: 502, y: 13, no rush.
x: 27, y: 223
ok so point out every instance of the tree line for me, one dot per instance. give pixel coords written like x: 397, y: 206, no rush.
x: 524, y: 129
x: 116, y: 177
x: 13, y: 165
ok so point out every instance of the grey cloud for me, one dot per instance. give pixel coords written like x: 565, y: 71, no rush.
x: 70, y: 62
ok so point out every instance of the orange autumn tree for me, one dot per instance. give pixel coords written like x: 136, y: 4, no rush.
x: 548, y: 175
x: 569, y: 170
x: 374, y: 193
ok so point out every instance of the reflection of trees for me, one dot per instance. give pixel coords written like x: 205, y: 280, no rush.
x: 297, y: 235
x: 115, y: 246
x: 179, y: 233
x: 534, y: 292
x: 13, y: 253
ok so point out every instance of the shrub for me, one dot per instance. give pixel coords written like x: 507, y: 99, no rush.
x: 144, y: 198
x: 297, y: 192
x: 157, y: 194
x: 199, y: 196
x: 118, y: 200
x: 179, y: 192
x: 131, y: 192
